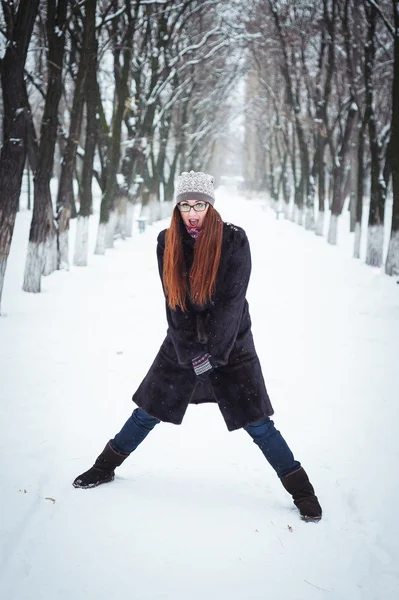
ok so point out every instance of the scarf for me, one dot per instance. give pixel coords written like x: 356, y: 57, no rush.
x: 194, y: 231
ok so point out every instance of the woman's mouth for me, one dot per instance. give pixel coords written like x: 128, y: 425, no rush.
x: 193, y: 222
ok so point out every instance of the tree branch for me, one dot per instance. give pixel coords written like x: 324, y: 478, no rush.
x: 383, y: 17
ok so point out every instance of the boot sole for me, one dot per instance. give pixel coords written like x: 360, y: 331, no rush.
x: 310, y: 519
x: 91, y: 485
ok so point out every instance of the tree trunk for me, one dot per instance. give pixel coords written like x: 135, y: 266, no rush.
x: 86, y: 196
x: 107, y: 224
x: 392, y: 263
x: 359, y: 190
x: 321, y: 113
x: 42, y: 231
x: 14, y: 150
x: 283, y: 184
x: 338, y: 175
x: 273, y: 188
x: 160, y: 164
x: 121, y: 72
x: 375, y: 237
x: 65, y: 201
x: 322, y: 195
x: 310, y: 197
x: 32, y: 141
x: 305, y: 176
x: 352, y: 180
x: 294, y: 177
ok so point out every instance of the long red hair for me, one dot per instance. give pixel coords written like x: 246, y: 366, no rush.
x: 200, y: 285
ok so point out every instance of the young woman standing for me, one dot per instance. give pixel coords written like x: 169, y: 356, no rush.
x: 208, y: 354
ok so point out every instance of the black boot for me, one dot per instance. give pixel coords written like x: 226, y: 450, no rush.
x: 298, y: 485
x: 103, y: 469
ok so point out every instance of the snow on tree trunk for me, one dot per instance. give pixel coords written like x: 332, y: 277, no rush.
x: 110, y: 229
x: 155, y: 207
x: 309, y: 219
x: 299, y: 216
x: 129, y: 219
x: 145, y: 211
x: 81, y: 242
x: 375, y: 244
x: 320, y: 223
x: 33, y: 268
x: 392, y: 263
x: 50, y: 255
x: 100, y: 244
x: 333, y: 230
x: 42, y: 230
x: 358, y: 237
x: 121, y: 216
x: 63, y: 250
x: 309, y: 211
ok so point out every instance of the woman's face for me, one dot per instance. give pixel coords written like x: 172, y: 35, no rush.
x: 192, y: 217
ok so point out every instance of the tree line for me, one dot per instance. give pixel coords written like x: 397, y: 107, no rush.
x: 131, y: 92
x: 126, y: 92
x: 322, y: 111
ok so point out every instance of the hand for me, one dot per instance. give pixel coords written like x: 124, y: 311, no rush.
x: 202, y: 365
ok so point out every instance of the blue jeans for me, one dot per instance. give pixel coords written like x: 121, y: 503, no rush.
x: 136, y: 428
x: 273, y: 446
x: 263, y: 433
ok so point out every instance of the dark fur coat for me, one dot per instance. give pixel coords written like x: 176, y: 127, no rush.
x: 223, y: 329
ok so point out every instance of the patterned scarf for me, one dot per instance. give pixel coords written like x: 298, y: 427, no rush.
x: 194, y: 231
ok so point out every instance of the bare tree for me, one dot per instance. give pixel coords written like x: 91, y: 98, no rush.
x: 392, y: 262
x: 377, y: 132
x: 42, y: 236
x: 19, y: 22
x: 65, y: 201
x: 90, y: 94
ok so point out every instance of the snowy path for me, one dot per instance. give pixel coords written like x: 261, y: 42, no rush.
x: 196, y: 513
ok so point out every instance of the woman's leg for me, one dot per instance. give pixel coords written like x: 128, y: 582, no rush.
x: 293, y: 477
x: 136, y: 428
x: 273, y: 446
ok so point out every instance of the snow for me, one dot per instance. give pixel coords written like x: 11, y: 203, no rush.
x: 114, y: 15
x: 3, y: 46
x: 196, y: 512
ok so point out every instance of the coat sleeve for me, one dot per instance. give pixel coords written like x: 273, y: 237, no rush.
x: 225, y: 319
x: 182, y: 326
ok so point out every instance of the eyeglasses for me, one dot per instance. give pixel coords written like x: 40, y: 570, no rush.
x: 186, y: 207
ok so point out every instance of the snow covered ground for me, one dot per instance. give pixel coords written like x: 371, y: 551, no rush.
x: 196, y: 513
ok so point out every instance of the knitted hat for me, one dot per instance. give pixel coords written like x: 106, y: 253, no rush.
x: 195, y: 185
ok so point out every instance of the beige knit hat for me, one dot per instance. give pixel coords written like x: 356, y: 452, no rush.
x: 195, y: 185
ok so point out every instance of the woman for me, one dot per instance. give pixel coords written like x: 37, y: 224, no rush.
x: 208, y: 354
